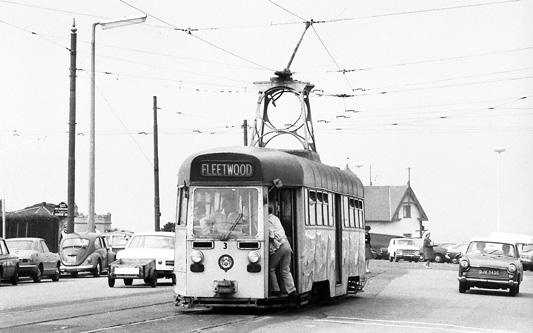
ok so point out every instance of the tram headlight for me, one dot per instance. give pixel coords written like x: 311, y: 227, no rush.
x: 197, y: 256
x: 253, y: 256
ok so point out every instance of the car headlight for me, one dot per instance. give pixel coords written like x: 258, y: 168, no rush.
x: 512, y: 268
x: 253, y: 256
x: 464, y: 263
x: 197, y: 256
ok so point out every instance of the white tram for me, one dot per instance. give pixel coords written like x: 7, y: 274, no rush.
x: 226, y: 263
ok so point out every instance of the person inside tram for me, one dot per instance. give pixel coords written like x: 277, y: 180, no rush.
x: 221, y: 220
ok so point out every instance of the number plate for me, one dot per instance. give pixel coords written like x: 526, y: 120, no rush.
x: 488, y: 272
x: 71, y: 258
x: 127, y: 270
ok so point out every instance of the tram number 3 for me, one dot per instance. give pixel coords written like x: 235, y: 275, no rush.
x: 225, y: 246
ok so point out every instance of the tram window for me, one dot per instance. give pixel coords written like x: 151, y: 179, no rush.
x: 325, y: 209
x: 319, y: 209
x: 312, y: 207
x: 345, y: 212
x: 225, y: 213
x: 182, y: 207
x: 352, y: 213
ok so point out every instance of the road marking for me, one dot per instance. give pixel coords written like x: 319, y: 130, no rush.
x: 407, y: 324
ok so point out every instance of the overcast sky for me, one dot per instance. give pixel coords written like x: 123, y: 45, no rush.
x: 429, y: 85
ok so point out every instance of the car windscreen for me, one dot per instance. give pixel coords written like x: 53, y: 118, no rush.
x: 488, y: 247
x: 19, y: 245
x: 77, y: 243
x: 406, y: 242
x: 151, y: 242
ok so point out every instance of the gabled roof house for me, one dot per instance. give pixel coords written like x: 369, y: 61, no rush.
x: 394, y: 210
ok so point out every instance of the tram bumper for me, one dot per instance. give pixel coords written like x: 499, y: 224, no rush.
x: 225, y: 287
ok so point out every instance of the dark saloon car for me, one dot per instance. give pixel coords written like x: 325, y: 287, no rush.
x: 490, y: 264
x: 35, y: 259
x: 455, y: 252
x: 85, y: 252
x: 9, y: 264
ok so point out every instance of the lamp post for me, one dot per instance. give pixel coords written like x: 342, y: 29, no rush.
x: 105, y: 25
x: 499, y: 150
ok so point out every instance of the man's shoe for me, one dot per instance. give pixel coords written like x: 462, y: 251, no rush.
x: 293, y: 298
x: 276, y: 293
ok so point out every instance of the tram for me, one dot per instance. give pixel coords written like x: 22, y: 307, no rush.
x: 226, y: 264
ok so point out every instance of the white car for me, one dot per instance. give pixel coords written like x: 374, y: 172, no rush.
x: 158, y: 245
x: 403, y: 248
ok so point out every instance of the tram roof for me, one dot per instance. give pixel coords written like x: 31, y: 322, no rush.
x: 290, y: 167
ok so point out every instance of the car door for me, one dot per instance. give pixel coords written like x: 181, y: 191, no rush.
x: 6, y: 260
x: 109, y: 254
x: 48, y: 264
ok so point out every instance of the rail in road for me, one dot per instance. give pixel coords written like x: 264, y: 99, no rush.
x: 400, y: 297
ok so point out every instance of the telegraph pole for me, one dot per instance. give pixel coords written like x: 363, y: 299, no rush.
x: 72, y: 133
x: 157, y: 213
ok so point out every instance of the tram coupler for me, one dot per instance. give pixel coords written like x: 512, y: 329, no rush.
x: 225, y: 287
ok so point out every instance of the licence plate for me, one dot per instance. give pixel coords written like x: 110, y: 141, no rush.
x: 71, y: 258
x: 126, y: 270
x: 488, y: 272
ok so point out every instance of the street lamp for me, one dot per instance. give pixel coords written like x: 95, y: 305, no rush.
x: 499, y: 150
x: 105, y: 25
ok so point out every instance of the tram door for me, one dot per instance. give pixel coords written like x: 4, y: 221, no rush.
x: 287, y: 215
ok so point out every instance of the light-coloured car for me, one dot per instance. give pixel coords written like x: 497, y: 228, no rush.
x: 117, y: 240
x: 403, y: 249
x: 35, y: 259
x: 9, y: 264
x: 492, y: 264
x: 158, y: 245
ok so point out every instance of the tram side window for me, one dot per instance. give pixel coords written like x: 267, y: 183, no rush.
x: 312, y: 207
x: 352, y: 212
x: 325, y: 209
x: 345, y: 214
x: 360, y: 213
x: 181, y: 218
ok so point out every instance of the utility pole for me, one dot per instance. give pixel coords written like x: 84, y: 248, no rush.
x: 71, y: 203
x: 409, y: 176
x: 157, y: 214
x: 245, y: 128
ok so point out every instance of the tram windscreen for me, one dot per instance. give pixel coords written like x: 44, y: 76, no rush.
x: 225, y: 213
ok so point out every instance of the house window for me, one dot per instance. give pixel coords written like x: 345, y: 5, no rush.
x: 407, y: 211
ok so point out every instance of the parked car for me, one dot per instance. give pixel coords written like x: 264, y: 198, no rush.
x: 9, y: 264
x: 455, y: 252
x: 85, y: 252
x: 403, y: 248
x: 158, y: 245
x: 492, y: 264
x: 117, y: 240
x: 35, y: 259
x: 439, y: 252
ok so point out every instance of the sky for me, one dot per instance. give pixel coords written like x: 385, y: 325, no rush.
x: 427, y: 86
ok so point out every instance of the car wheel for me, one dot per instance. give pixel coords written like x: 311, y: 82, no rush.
x: 153, y: 280
x: 74, y: 274
x: 439, y: 258
x: 462, y: 287
x: 110, y: 282
x: 57, y: 274
x: 98, y: 269
x: 396, y: 259
x: 15, y: 278
x: 38, y: 275
x: 128, y: 282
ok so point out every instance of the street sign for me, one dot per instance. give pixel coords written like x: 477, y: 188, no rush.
x: 61, y: 209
